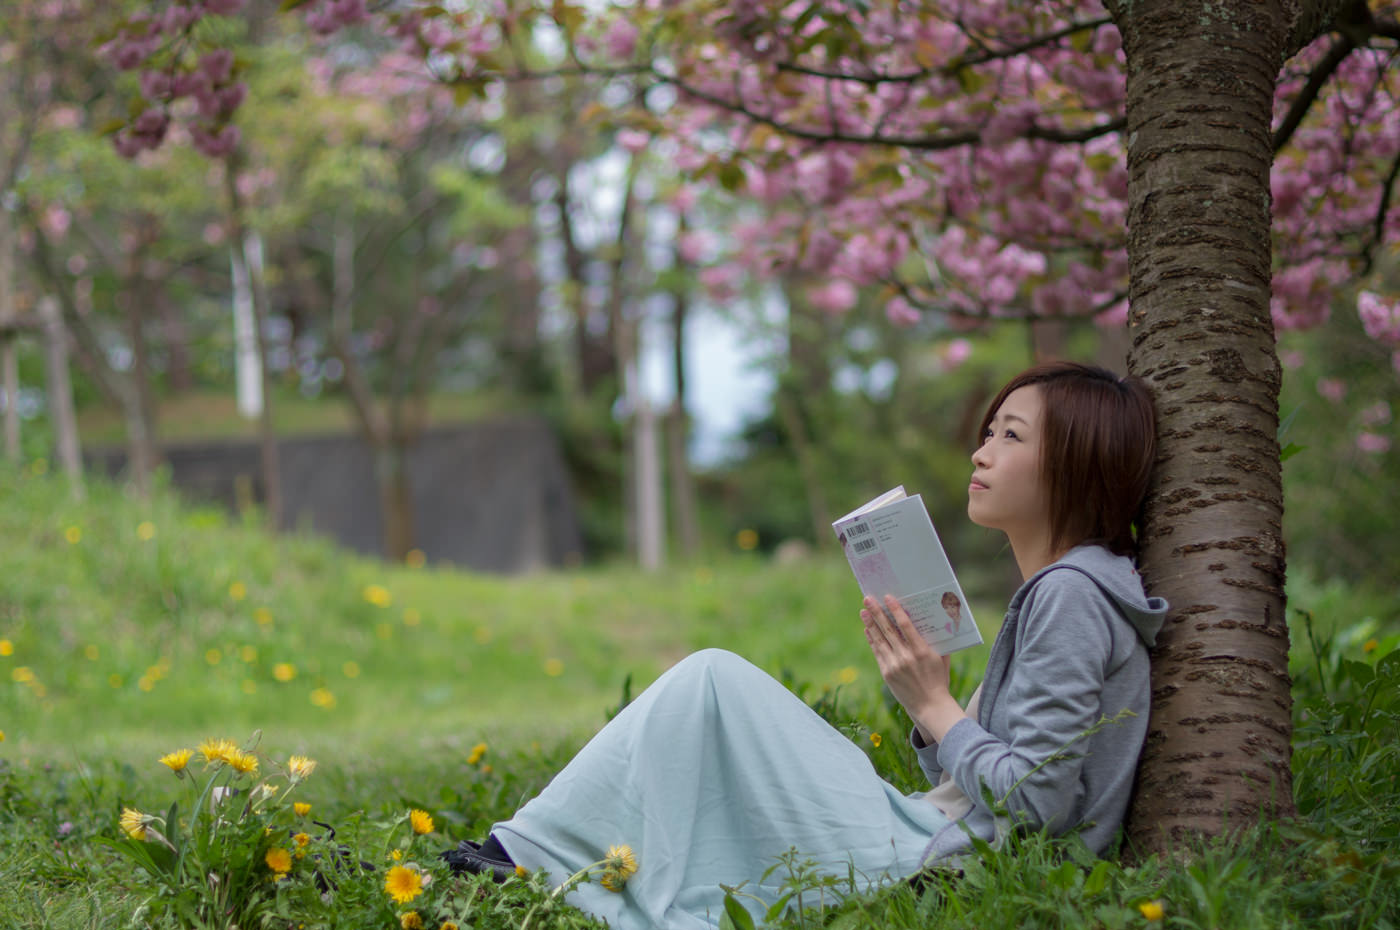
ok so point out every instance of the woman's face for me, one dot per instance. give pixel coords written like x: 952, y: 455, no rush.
x: 1008, y: 491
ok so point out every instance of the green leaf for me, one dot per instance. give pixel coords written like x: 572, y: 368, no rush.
x: 291, y: 5
x: 735, y: 916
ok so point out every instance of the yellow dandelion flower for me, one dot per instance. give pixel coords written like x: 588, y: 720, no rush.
x: 177, y: 760
x: 114, y: 680
x: 412, y: 617
x: 415, y: 558
x: 133, y: 823
x: 847, y: 675
x: 746, y: 539
x: 876, y: 739
x: 263, y: 616
x: 351, y: 669
x: 7, y: 648
x: 553, y: 668
x: 448, y: 925
x: 249, y: 654
x: 279, y: 860
x: 1371, y: 645
x: 146, y: 683
x: 301, y: 841
x: 237, y: 591
x: 411, y: 921
x: 217, y: 750
x: 522, y: 872
x: 618, y: 866
x: 301, y: 808
x: 74, y: 535
x: 300, y: 767
x: 2, y: 736
x: 284, y: 671
x: 22, y: 674
x: 323, y: 698
x: 213, y: 656
x: 146, y: 531
x: 91, y: 652
x: 420, y: 821
x: 378, y: 595
x: 1152, y: 910
x: 396, y: 854
x: 475, y: 755
x: 403, y: 884
x: 244, y: 763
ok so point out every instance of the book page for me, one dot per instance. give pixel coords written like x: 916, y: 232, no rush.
x: 893, y: 548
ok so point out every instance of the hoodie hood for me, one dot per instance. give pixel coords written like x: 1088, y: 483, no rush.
x: 1117, y: 576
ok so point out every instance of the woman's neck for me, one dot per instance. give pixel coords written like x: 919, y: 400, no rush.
x: 1033, y: 553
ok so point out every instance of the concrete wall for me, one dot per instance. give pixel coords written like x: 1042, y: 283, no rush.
x: 491, y: 496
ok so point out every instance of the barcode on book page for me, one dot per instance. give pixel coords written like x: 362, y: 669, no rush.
x: 857, y: 529
x: 862, y: 546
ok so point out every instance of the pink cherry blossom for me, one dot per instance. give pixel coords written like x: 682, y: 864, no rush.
x: 1380, y: 316
x: 1333, y: 389
x: 1371, y: 443
x: 633, y: 140
x: 620, y: 42
x: 901, y: 313
x: 836, y: 296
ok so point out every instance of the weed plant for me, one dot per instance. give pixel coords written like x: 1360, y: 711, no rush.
x: 125, y: 629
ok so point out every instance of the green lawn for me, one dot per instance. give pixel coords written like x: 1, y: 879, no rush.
x: 130, y: 628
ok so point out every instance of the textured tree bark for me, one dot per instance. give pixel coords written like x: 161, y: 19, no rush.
x: 1201, y: 79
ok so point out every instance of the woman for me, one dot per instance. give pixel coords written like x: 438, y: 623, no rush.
x: 716, y: 770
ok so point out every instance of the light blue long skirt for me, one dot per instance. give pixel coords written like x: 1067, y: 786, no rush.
x: 711, y: 775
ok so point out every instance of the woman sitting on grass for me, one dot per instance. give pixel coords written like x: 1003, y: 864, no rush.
x: 717, y: 770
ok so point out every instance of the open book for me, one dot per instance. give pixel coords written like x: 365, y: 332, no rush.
x: 894, y: 549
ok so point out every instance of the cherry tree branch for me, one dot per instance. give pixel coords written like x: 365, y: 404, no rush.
x: 873, y: 79
x: 1368, y: 251
x: 1344, y: 46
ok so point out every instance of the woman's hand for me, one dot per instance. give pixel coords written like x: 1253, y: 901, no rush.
x: 917, y: 675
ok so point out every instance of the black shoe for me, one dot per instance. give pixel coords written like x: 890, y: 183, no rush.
x: 468, y: 859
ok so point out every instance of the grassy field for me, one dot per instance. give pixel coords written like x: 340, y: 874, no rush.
x: 131, y: 628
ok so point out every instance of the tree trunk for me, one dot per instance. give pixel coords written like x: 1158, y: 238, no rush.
x: 246, y: 249
x: 395, y: 498
x: 683, y: 498
x: 60, y: 395
x: 9, y: 349
x: 141, y: 417
x: 1201, y: 81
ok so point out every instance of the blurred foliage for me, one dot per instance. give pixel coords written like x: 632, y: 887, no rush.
x: 1342, y: 485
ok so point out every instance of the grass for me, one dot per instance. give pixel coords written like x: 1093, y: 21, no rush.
x: 129, y: 627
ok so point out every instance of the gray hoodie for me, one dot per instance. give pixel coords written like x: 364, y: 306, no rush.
x: 1072, y: 649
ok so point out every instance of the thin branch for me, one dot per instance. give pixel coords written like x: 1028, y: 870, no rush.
x: 1368, y: 251
x: 910, y: 77
x: 1325, y: 68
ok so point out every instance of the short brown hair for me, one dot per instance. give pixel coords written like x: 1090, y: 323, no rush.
x: 1098, y: 444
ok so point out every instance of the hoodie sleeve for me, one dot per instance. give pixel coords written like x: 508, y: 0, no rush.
x: 1050, y: 698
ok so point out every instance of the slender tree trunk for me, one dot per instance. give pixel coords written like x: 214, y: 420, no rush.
x: 60, y: 395
x: 246, y: 248
x: 9, y: 349
x: 9, y: 385
x: 395, y: 499
x: 142, y: 413
x: 683, y: 498
x: 1201, y: 79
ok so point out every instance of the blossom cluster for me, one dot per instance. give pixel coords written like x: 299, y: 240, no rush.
x: 175, y: 73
